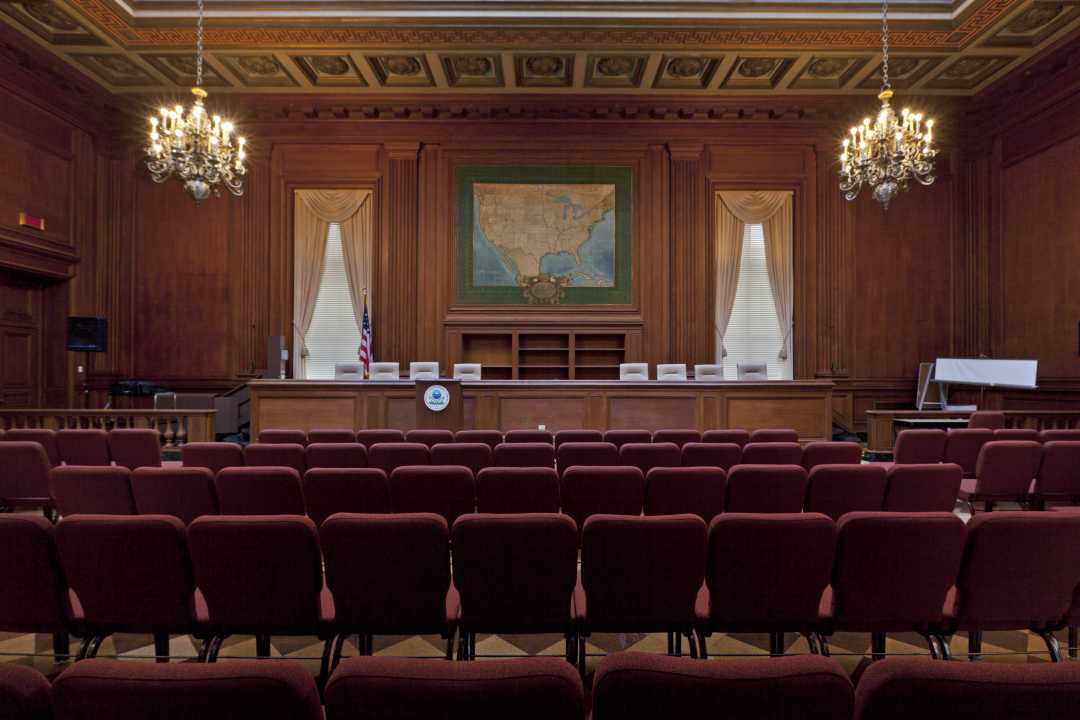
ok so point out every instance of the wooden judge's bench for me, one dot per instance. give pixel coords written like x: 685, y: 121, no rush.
x: 805, y: 406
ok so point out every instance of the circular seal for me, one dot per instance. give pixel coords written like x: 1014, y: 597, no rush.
x: 436, y: 398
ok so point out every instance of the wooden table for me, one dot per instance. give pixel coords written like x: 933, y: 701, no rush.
x: 805, y: 406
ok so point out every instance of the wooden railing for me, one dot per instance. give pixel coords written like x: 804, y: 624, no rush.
x: 1043, y: 419
x: 177, y: 427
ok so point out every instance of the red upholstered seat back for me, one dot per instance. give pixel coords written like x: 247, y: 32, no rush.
x: 336, y: 455
x: 1059, y: 469
x: 429, y: 437
x: 529, y: 436
x: 517, y: 490
x: 618, y: 438
x: 524, y: 454
x: 771, y: 435
x: 577, y: 436
x: 341, y: 435
x: 831, y: 453
x: 772, y: 453
x: 276, y: 455
x: 83, y: 447
x: 259, y: 491
x: 46, y: 438
x: 283, y: 437
x: 646, y: 456
x: 711, y: 454
x: 586, y: 453
x: 697, y: 490
x: 491, y: 438
x: 837, y: 489
x: 347, y: 490
x: 678, y: 436
x: 32, y: 594
x: 962, y: 447
x: 922, y: 488
x: 474, y: 455
x: 135, y: 447
x: 920, y: 446
x: 182, y: 492
x: 212, y: 455
x: 367, y: 438
x: 1007, y: 467
x: 102, y: 490
x: 25, y: 470
x: 731, y: 435
x: 447, y: 490
x: 765, y: 489
x: 588, y: 490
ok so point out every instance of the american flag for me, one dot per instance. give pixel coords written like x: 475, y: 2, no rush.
x: 365, y: 342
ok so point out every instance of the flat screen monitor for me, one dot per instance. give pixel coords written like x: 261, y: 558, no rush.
x: 87, y: 334
x: 983, y: 371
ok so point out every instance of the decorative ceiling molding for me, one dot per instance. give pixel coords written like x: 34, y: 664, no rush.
x: 946, y: 47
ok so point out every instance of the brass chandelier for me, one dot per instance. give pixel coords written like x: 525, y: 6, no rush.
x: 887, y: 152
x: 202, y: 150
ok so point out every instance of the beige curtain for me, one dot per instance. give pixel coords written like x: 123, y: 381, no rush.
x: 729, y: 239
x: 772, y: 210
x: 357, y: 239
x: 314, y: 211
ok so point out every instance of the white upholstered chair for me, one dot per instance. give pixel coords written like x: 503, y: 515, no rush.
x: 466, y: 371
x: 634, y: 371
x: 385, y: 371
x: 752, y: 371
x: 348, y: 371
x: 709, y: 373
x: 671, y: 372
x: 423, y: 371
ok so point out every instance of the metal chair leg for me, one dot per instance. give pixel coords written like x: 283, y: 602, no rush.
x: 61, y: 647
x: 704, y: 649
x: 215, y: 648
x: 974, y: 645
x: 931, y: 642
x: 84, y: 647
x: 369, y: 644
x: 571, y: 648
x: 671, y: 643
x: 161, y: 647
x: 339, y: 645
x: 262, y: 646
x: 943, y: 643
x: 877, y: 646
x: 463, y: 645
x: 811, y: 642
x: 824, y: 643
x: 693, y: 645
x: 204, y: 651
x: 450, y: 645
x: 1051, y: 645
x: 678, y: 644
x: 1073, y: 642
x: 581, y: 655
x: 324, y: 663
x: 776, y: 644
x: 95, y: 645
x: 472, y: 646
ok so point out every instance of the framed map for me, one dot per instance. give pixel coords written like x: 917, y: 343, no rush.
x: 543, y: 235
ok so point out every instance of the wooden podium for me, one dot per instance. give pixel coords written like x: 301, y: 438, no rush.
x: 440, y: 404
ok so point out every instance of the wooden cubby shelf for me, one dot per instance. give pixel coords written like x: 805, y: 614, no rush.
x: 523, y: 354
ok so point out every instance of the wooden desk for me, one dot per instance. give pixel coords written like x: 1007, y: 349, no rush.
x: 805, y: 406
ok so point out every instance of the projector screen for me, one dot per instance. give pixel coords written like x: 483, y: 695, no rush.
x: 971, y: 371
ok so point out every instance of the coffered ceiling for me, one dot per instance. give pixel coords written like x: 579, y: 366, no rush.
x: 706, y: 47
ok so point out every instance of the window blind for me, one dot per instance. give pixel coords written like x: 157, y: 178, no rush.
x: 753, y: 333
x: 334, y: 335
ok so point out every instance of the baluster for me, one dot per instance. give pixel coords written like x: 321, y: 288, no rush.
x: 168, y: 435
x: 182, y: 431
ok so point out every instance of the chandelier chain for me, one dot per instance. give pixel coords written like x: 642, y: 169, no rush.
x: 885, y: 85
x: 199, y: 47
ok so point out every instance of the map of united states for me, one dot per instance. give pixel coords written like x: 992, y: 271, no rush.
x: 524, y: 230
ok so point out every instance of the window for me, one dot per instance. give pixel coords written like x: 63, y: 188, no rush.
x: 334, y: 335
x: 753, y: 333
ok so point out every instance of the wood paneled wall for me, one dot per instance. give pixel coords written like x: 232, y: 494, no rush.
x: 982, y: 262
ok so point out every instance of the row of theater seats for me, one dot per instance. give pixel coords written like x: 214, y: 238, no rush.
x: 476, y: 456
x: 366, y: 575
x: 962, y: 445
x: 627, y: 686
x: 129, y: 447
x: 996, y: 470
x: 454, y: 490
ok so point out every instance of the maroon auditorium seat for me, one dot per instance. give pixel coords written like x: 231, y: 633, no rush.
x: 1059, y: 473
x: 962, y: 447
x: 183, y: 492
x: 777, y: 586
x: 33, y: 596
x: 989, y: 419
x: 711, y: 454
x: 529, y: 436
x: 679, y: 436
x: 734, y: 436
x: 124, y: 690
x: 921, y: 446
x: 259, y: 491
x: 447, y: 490
x: 335, y: 455
x: 1044, y: 435
x: 586, y: 491
x: 891, y: 573
x: 390, y: 455
x: 1017, y: 434
x: 837, y: 489
x: 83, y: 447
x: 390, y: 575
x: 429, y: 437
x: 646, y: 456
x: 577, y: 436
x: 903, y: 688
x: 618, y: 438
x: 289, y: 455
x: 674, y: 491
x: 130, y: 574
x: 585, y: 453
x: 772, y: 453
x: 491, y: 438
x: 212, y: 455
x: 1004, y: 471
x: 772, y: 435
x: 24, y: 478
x: 517, y: 490
x: 328, y: 435
x: 261, y: 575
x: 347, y: 490
x: 516, y: 574
x: 645, y: 686
x: 373, y: 436
x: 831, y: 453
x: 135, y: 447
x: 929, y: 487
x: 765, y: 489
x: 1018, y: 572
x: 474, y: 455
x: 91, y: 489
x: 46, y: 438
x: 619, y: 591
x: 535, y: 688
x: 24, y: 693
x: 283, y: 437
x: 524, y: 454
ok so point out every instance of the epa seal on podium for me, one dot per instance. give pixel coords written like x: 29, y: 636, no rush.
x: 436, y: 398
